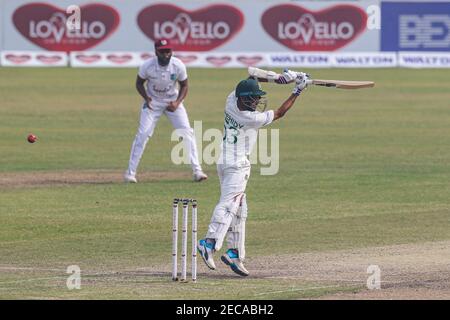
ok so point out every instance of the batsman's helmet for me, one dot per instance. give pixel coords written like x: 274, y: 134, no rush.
x: 249, y: 93
x: 249, y: 88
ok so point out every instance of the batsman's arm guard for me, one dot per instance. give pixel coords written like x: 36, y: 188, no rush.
x: 269, y: 76
x: 286, y: 77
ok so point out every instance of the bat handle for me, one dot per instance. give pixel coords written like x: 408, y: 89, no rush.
x: 309, y: 81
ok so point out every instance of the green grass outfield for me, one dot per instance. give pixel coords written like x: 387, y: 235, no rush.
x: 358, y: 169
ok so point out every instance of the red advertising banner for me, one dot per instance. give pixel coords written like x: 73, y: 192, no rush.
x: 191, y: 25
x: 45, y: 25
x: 203, y: 29
x: 302, y: 29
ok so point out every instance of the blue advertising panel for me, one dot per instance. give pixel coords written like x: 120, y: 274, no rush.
x: 415, y: 26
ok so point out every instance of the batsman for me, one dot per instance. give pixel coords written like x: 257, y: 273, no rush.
x: 244, y: 115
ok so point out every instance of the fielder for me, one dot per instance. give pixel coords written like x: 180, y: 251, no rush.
x: 162, y: 73
x: 242, y: 121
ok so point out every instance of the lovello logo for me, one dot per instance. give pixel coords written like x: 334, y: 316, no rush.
x: 303, y: 30
x: 48, y: 59
x: 199, y: 30
x: 18, y: 58
x: 88, y: 58
x: 119, y: 59
x: 45, y: 26
x: 147, y: 55
x: 249, y: 61
x: 218, y: 61
x: 186, y: 58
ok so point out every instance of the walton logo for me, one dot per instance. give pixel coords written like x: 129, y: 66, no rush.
x: 303, y: 30
x: 45, y: 26
x: 199, y: 30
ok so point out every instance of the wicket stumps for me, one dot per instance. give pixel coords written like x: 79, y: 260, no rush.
x: 184, y: 239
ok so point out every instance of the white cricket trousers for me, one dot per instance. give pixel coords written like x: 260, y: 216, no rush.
x: 233, y: 181
x: 149, y: 119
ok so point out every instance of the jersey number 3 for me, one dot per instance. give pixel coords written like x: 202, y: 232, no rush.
x: 230, y: 134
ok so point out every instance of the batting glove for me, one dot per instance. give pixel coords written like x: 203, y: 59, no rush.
x: 301, y: 82
x: 287, y: 76
x: 300, y: 76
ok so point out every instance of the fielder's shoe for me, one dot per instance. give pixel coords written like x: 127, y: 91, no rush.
x: 129, y: 178
x: 206, y: 250
x: 200, y: 176
x: 231, y: 259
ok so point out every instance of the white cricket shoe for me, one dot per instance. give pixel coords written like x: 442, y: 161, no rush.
x: 206, y: 250
x: 200, y: 176
x: 129, y: 178
x: 231, y: 259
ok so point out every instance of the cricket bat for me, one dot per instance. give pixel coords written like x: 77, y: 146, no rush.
x: 341, y: 84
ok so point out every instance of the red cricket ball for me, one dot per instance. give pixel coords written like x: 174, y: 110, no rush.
x: 31, y: 138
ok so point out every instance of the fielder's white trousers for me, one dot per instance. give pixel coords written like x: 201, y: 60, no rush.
x: 233, y: 181
x: 149, y: 119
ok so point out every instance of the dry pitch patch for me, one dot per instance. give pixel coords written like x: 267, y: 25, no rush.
x: 77, y: 177
x: 408, y: 271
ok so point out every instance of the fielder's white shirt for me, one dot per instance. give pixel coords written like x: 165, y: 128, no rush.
x: 162, y: 81
x: 241, y: 131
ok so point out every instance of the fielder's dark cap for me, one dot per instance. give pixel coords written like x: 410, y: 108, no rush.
x: 163, y: 44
